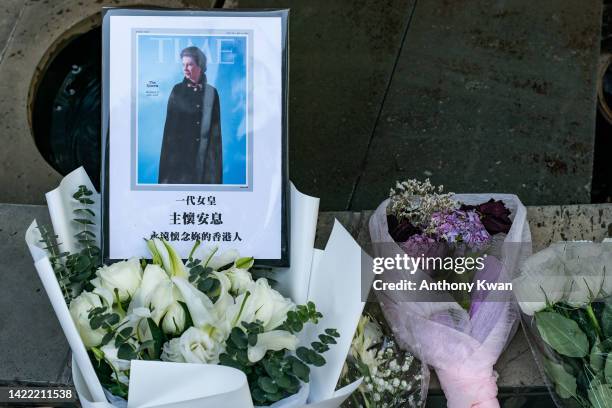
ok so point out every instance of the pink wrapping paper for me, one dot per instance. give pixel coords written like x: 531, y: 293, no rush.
x: 462, y: 347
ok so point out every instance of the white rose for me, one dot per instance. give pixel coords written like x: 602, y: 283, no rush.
x: 270, y: 306
x: 588, y: 279
x: 171, y: 351
x: 153, y: 275
x: 274, y: 340
x: 124, y: 276
x: 174, y: 319
x: 606, y: 262
x: 79, y: 310
x: 240, y: 279
x: 201, y: 345
x: 543, y: 278
x: 119, y: 365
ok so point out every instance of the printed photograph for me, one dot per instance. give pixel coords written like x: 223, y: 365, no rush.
x: 192, y: 120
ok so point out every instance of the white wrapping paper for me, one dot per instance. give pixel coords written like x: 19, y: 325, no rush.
x: 331, y: 279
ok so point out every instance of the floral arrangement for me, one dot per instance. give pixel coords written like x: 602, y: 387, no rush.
x: 460, y: 333
x: 420, y: 213
x: 392, y: 377
x: 564, y: 294
x: 209, y: 310
x: 424, y: 220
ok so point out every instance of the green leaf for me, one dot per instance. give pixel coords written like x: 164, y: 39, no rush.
x: 303, y: 353
x: 562, y: 334
x: 158, y: 337
x: 96, y: 322
x: 240, y: 339
x: 107, y: 337
x: 327, y: 339
x: 597, y: 358
x: 244, y: 263
x: 123, y: 336
x: 284, y: 381
x: 85, y: 233
x: 317, y: 360
x: 319, y: 347
x: 84, y: 211
x: 126, y: 352
x: 600, y: 395
x: 300, y: 370
x: 332, y: 332
x: 206, y: 285
x: 84, y: 221
x: 608, y: 369
x: 565, y: 383
x: 606, y: 320
x: 267, y: 384
x: 188, y: 319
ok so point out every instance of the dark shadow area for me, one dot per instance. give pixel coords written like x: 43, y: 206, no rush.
x: 66, y: 111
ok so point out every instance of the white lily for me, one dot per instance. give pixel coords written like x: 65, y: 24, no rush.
x: 211, y: 257
x: 274, y: 340
x: 200, y: 306
x: 164, y: 254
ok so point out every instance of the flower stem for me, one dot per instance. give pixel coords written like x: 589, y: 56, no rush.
x: 246, y: 296
x: 594, y: 321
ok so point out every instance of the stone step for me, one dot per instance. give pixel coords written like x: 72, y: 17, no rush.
x: 33, y: 349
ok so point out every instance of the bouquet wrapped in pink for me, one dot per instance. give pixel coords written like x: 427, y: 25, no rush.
x: 454, y: 309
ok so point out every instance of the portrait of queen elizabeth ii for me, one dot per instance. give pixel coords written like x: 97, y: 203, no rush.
x: 191, y: 151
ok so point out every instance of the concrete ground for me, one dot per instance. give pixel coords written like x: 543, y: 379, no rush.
x: 503, y: 92
x: 33, y: 350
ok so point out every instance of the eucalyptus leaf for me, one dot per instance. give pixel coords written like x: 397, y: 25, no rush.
x: 267, y: 384
x: 565, y: 383
x: 562, y: 334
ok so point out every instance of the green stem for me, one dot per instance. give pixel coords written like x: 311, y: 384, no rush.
x: 246, y: 296
x: 594, y: 321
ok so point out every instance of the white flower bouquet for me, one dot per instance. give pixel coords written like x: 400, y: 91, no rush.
x: 565, y: 293
x: 206, y: 329
x: 393, y: 377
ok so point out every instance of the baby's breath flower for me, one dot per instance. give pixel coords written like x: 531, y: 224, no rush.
x: 416, y: 201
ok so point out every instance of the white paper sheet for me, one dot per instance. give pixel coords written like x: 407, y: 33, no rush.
x: 183, y: 385
x: 338, y: 397
x: 293, y: 282
x: 335, y: 288
x: 49, y: 281
x: 61, y: 206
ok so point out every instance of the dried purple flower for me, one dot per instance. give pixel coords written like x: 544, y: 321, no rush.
x: 495, y: 216
x: 459, y: 226
x: 400, y: 231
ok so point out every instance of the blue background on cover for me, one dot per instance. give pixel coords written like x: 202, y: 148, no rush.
x: 159, y: 61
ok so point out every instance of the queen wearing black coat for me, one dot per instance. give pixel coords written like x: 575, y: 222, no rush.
x: 191, y: 150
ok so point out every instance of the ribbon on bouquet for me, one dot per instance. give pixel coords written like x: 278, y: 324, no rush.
x: 312, y: 275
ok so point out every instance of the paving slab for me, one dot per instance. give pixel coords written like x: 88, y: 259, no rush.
x: 491, y: 97
x: 37, y: 29
x: 342, y: 54
x: 32, y: 344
